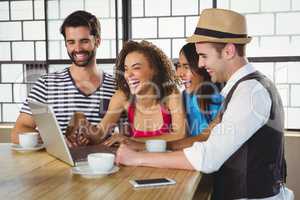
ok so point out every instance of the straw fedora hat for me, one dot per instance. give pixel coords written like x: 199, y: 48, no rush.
x: 220, y: 26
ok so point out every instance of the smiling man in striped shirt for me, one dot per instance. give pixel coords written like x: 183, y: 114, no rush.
x: 82, y: 87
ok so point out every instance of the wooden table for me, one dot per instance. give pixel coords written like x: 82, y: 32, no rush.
x: 38, y: 175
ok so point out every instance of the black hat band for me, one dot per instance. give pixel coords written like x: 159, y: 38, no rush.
x: 217, y: 34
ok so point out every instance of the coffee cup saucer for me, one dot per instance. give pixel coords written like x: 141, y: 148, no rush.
x: 86, y: 171
x: 18, y: 147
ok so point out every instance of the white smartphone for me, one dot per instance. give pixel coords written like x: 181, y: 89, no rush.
x: 152, y: 182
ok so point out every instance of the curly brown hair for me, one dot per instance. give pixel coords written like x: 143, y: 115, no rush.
x: 165, y: 78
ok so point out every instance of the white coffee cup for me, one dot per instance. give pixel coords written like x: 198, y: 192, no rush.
x: 101, y: 161
x: 28, y: 139
x: 156, y: 145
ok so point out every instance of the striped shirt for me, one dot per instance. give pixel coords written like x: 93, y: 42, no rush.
x: 59, y: 90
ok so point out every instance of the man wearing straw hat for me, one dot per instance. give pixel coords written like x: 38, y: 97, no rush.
x: 245, y: 147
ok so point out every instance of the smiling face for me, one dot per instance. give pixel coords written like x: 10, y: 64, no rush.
x: 138, y: 73
x: 212, y: 61
x: 81, y: 45
x: 189, y: 79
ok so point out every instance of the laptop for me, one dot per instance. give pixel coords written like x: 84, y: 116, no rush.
x: 53, y: 137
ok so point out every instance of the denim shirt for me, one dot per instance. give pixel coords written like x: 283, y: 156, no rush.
x: 197, y: 120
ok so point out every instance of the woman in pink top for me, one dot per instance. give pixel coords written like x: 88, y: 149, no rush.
x: 147, y: 91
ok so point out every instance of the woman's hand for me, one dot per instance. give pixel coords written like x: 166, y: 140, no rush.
x: 115, y: 138
x: 135, y: 145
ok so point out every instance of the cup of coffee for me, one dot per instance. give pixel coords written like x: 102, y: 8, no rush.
x: 101, y: 161
x: 156, y: 145
x: 28, y: 139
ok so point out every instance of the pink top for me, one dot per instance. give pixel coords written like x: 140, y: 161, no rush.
x: 167, y: 122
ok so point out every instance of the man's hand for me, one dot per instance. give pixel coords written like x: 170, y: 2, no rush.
x: 127, y: 156
x: 178, y: 144
x: 80, y: 132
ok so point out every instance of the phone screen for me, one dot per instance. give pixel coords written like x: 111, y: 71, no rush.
x: 151, y: 181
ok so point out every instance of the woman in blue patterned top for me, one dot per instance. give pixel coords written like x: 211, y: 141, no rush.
x: 201, y: 96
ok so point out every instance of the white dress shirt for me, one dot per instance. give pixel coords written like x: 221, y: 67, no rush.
x: 247, y: 111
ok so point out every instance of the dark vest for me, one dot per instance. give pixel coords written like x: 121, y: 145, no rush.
x: 257, y: 168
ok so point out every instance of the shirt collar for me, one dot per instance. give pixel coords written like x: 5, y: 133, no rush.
x: 236, y: 76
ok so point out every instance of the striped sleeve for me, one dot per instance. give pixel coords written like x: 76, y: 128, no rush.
x: 37, y: 93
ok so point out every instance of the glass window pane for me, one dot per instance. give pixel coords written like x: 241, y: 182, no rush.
x: 282, y: 43
x: 253, y: 48
x: 177, y: 45
x: 205, y: 4
x: 39, y: 9
x: 54, y: 49
x: 112, y: 8
x: 295, y: 95
x: 281, y: 73
x: 108, y: 29
x: 4, y: 10
x: 53, y: 30
x: 144, y: 28
x: 53, y: 10
x: 275, y: 5
x: 23, y: 50
x: 191, y: 23
x: 264, y: 27
x: 57, y: 68
x: 21, y: 10
x: 120, y: 29
x: 12, y: 73
x: 284, y: 25
x: 40, y: 50
x: 171, y: 27
x: 64, y: 52
x: 108, y: 68
x: 152, y: 8
x: 293, y: 72
x: 296, y: 4
x: 11, y: 112
x: 20, y: 93
x: 113, y: 47
x: 187, y: 7
x: 137, y: 8
x: 265, y: 68
x: 287, y: 72
x: 284, y: 94
x: 104, y: 50
x: 7, y: 90
x: 10, y: 31
x: 66, y: 7
x: 98, y: 8
x: 34, y: 30
x: 242, y: 7
x: 4, y: 51
x: 163, y: 44
x: 292, y: 118
x: 223, y: 4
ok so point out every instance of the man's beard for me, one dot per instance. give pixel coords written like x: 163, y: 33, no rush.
x: 91, y: 55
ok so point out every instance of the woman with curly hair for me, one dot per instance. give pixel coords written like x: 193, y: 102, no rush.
x: 147, y: 91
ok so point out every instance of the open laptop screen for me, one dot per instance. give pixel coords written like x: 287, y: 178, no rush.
x: 54, y: 139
